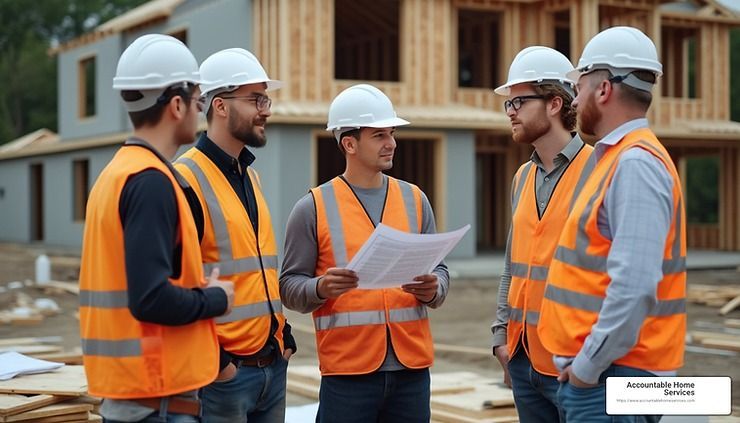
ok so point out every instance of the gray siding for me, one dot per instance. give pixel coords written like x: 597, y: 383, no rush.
x: 109, y: 114
x: 59, y: 225
x: 459, y: 159
x: 211, y: 26
x: 15, y: 202
x: 284, y: 166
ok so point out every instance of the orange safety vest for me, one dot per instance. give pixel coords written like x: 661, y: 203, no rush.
x: 243, y: 257
x: 533, y: 244
x: 126, y: 358
x: 578, y: 278
x: 351, y: 330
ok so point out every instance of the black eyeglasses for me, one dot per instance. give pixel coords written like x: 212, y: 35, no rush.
x: 516, y: 102
x: 262, y: 102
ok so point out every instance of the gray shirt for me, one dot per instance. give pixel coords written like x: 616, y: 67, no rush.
x: 297, y: 280
x: 544, y: 186
x: 636, y: 216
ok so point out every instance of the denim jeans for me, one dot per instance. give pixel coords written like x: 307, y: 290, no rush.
x: 395, y: 396
x: 535, y: 394
x: 163, y: 417
x: 254, y: 395
x: 589, y: 404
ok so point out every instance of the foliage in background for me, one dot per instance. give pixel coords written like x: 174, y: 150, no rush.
x: 28, y: 98
x: 702, y: 189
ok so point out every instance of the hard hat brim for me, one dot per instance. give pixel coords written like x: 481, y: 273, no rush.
x: 385, y: 123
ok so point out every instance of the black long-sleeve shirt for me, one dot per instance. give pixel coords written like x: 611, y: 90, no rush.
x: 148, y: 211
x: 235, y: 171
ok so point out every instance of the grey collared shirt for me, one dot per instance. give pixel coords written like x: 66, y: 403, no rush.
x: 544, y: 182
x: 544, y: 186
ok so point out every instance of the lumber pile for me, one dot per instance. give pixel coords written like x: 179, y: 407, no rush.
x: 720, y: 340
x: 457, y: 397
x: 43, y: 348
x: 725, y: 296
x: 58, y: 396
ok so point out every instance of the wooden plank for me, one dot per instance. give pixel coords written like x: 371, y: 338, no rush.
x: 731, y: 305
x: 471, y: 404
x: 65, y: 408
x: 303, y: 389
x: 66, y: 357
x: 31, y: 349
x: 732, y: 323
x: 70, y: 287
x: 698, y: 335
x: 449, y: 417
x: 68, y: 380
x: 14, y: 404
x: 76, y: 417
x: 722, y: 343
x: 30, y: 341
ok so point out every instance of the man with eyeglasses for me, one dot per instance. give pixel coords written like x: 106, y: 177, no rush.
x: 615, y: 301
x: 539, y: 107
x: 255, y: 338
x: 140, y: 253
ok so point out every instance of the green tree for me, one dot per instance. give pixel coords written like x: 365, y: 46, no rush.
x: 28, y: 98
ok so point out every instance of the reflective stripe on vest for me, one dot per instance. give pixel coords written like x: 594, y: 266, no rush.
x: 334, y: 218
x: 593, y: 303
x: 108, y: 348
x: 537, y: 273
x: 250, y: 311
x: 103, y: 299
x: 579, y: 256
x: 373, y: 317
x: 516, y: 314
x: 228, y: 265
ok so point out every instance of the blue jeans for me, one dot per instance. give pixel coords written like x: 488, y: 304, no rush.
x: 397, y: 396
x: 535, y: 394
x: 163, y: 417
x: 589, y: 404
x: 254, y: 395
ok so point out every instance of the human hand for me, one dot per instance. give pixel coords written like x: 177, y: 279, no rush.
x: 570, y: 377
x: 425, y: 289
x: 227, y: 286
x: 501, y: 353
x: 228, y: 373
x: 335, y: 282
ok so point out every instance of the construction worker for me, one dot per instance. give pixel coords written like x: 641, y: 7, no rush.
x: 375, y: 346
x: 140, y: 253
x: 615, y: 302
x: 255, y: 339
x: 539, y: 96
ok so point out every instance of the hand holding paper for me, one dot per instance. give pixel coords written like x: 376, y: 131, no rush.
x: 391, y: 258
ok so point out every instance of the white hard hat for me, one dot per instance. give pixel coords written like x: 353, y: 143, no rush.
x: 227, y: 70
x: 538, y: 64
x: 621, y: 50
x: 361, y: 106
x: 151, y: 64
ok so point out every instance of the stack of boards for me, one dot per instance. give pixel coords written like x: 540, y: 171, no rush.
x: 58, y: 396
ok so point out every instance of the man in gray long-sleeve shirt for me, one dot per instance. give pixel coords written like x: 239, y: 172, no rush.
x: 615, y: 298
x: 539, y: 107
x: 375, y: 346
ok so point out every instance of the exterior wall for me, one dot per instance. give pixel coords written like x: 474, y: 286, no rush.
x: 211, y: 26
x: 109, y: 114
x: 15, y: 224
x: 285, y: 166
x: 459, y: 203
x: 59, y: 226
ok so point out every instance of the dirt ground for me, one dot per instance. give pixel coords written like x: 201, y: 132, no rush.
x: 463, y: 320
